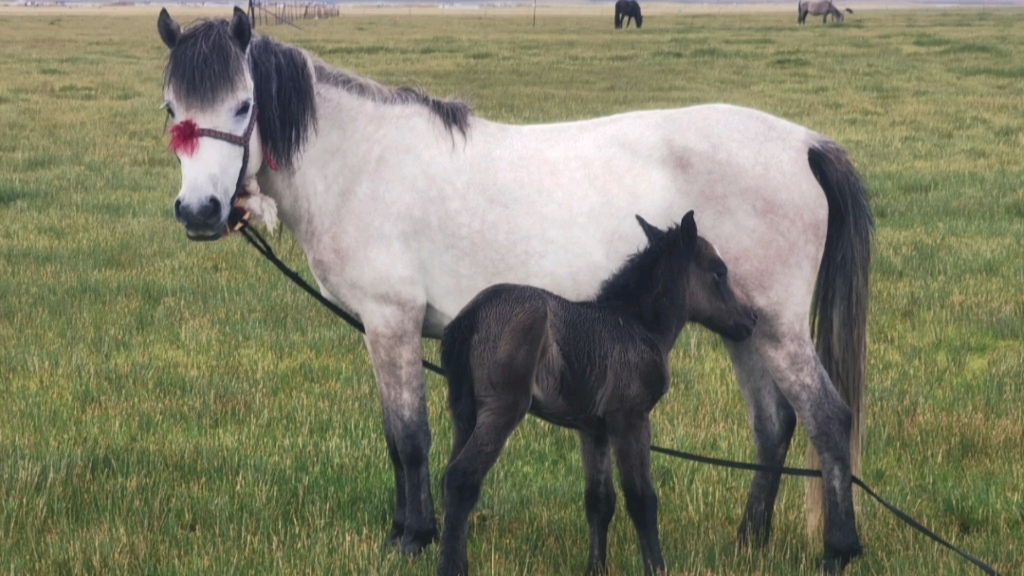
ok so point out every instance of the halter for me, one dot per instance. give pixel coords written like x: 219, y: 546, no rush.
x: 185, y: 136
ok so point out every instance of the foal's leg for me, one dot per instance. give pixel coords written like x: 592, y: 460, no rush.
x: 393, y: 340
x: 772, y: 421
x: 599, y: 495
x: 795, y: 367
x: 631, y: 438
x: 466, y: 473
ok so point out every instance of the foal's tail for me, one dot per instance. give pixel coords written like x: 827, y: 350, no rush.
x: 455, y: 349
x: 840, y: 305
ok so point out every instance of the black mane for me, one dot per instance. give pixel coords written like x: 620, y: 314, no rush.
x: 206, y: 65
x: 454, y: 114
x: 285, y: 97
x: 639, y: 279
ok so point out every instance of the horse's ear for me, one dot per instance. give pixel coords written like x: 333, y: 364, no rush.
x: 168, y: 28
x: 240, y: 29
x: 652, y: 232
x: 688, y: 228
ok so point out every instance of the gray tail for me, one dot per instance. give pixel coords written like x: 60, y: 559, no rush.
x: 840, y: 306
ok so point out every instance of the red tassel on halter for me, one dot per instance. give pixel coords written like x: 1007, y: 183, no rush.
x: 184, y: 138
x: 270, y: 161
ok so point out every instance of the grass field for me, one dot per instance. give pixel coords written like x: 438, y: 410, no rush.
x: 178, y: 408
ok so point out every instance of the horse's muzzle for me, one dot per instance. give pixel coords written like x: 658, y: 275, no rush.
x: 203, y: 222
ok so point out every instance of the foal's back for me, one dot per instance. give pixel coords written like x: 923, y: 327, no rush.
x: 572, y: 357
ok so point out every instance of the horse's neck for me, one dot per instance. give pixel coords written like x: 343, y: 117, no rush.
x: 328, y: 167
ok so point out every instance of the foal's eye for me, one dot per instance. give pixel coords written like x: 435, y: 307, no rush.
x: 243, y: 109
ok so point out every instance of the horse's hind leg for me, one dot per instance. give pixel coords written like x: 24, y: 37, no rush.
x: 393, y: 340
x: 795, y: 367
x: 599, y: 495
x: 772, y: 421
x: 631, y: 437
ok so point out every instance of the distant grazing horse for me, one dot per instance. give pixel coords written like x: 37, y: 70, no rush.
x: 407, y: 206
x: 823, y: 8
x: 598, y: 367
x: 628, y: 10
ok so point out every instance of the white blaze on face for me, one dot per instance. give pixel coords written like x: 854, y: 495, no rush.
x: 209, y: 173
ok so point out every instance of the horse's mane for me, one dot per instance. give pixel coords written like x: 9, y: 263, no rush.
x: 455, y: 114
x: 206, y: 65
x: 638, y: 278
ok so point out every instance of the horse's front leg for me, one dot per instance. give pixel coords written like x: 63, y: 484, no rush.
x: 393, y: 339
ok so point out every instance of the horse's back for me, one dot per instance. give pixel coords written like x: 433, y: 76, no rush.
x: 558, y: 201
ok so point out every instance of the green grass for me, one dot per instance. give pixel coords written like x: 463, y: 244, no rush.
x: 171, y: 407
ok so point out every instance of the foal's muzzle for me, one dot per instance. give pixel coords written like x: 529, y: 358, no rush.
x: 742, y: 328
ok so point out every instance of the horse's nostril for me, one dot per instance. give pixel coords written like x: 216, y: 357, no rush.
x: 209, y: 214
x: 177, y: 208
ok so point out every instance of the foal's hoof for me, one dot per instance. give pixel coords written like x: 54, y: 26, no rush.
x: 414, y: 541
x: 394, y: 537
x: 748, y: 538
x: 835, y: 561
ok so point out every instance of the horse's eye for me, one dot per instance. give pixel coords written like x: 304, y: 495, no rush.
x: 170, y: 112
x: 720, y: 275
x: 243, y: 109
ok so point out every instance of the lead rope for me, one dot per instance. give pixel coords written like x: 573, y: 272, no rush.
x: 263, y: 247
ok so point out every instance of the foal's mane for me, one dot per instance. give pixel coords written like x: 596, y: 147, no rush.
x: 206, y: 64
x: 639, y: 279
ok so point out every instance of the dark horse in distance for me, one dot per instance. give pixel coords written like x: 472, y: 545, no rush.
x: 598, y: 367
x: 627, y: 10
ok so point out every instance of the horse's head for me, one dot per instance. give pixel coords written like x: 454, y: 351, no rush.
x: 639, y: 21
x: 209, y: 97
x: 706, y: 291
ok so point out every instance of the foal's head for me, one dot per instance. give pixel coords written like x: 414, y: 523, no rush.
x: 679, y: 277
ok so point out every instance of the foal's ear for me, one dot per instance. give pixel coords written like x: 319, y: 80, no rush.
x: 240, y: 29
x: 652, y: 232
x: 688, y: 228
x: 168, y: 28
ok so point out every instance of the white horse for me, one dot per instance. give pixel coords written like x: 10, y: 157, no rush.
x: 406, y: 206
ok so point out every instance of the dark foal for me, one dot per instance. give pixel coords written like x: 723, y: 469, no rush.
x: 598, y: 367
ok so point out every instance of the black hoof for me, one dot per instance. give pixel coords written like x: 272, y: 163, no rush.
x: 414, y: 541
x: 394, y: 537
x: 835, y: 560
x: 747, y: 538
x: 448, y: 567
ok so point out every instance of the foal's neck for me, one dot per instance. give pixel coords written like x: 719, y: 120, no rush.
x: 663, y: 319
